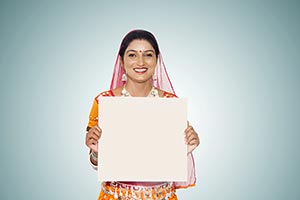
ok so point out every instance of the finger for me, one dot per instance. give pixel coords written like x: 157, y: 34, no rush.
x: 91, y: 142
x: 92, y: 133
x: 194, y: 141
x: 191, y: 135
x: 186, y: 137
x: 95, y: 131
x: 99, y: 130
x: 190, y: 138
x: 189, y: 128
x: 93, y: 136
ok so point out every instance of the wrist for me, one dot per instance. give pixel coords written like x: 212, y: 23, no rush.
x: 94, y: 155
x: 93, y: 159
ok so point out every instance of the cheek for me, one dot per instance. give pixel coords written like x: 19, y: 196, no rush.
x: 152, y: 68
x: 128, y: 63
x: 151, y: 62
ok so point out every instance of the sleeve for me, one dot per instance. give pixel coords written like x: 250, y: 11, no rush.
x: 93, y: 121
x: 93, y: 117
x: 191, y: 179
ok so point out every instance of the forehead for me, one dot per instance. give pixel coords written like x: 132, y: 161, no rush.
x: 139, y: 45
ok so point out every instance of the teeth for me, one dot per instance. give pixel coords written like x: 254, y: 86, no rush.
x: 140, y: 69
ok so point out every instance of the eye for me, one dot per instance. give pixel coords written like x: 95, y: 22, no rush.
x: 131, y: 55
x: 149, y: 55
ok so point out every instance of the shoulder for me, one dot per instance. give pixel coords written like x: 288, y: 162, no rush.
x: 166, y: 94
x: 108, y: 93
x: 169, y: 95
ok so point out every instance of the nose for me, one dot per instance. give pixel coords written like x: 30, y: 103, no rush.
x: 140, y: 60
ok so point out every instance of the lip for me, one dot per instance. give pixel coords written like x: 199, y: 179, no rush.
x: 140, y: 70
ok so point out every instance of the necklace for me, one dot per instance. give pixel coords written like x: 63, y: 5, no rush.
x: 153, y: 92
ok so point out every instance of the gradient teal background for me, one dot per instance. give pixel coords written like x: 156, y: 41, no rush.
x: 236, y: 61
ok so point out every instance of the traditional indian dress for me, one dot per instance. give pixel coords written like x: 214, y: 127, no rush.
x: 141, y: 190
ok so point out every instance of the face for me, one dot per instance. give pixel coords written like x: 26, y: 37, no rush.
x: 139, y: 61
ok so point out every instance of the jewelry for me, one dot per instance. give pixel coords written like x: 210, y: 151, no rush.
x: 124, y: 77
x: 154, y: 77
x: 94, y: 155
x: 153, y: 92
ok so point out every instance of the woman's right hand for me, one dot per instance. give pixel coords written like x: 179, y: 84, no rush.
x: 92, y: 137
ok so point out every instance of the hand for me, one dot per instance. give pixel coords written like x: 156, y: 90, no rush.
x: 92, y: 137
x: 191, y: 138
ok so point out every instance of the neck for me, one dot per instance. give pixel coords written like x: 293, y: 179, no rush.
x: 138, y: 89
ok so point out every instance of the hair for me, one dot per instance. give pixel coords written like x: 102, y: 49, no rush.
x: 140, y: 35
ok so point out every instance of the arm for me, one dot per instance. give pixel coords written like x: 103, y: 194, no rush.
x: 93, y: 133
x: 192, y: 141
x: 191, y: 138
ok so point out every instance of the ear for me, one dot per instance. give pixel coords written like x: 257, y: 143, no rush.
x: 157, y: 58
x: 156, y: 63
x: 122, y: 63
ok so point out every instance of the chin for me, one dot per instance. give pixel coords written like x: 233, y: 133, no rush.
x: 142, y: 80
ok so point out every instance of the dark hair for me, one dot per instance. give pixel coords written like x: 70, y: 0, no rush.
x: 141, y: 35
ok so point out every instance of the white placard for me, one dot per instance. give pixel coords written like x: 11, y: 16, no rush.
x: 142, y: 139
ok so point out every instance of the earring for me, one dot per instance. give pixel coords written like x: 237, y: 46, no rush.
x: 154, y: 77
x: 124, y: 77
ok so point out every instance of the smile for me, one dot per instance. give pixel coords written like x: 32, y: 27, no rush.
x: 140, y: 70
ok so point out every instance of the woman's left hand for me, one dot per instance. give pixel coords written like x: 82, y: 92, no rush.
x: 191, y: 138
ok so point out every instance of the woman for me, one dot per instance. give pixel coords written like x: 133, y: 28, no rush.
x: 139, y: 72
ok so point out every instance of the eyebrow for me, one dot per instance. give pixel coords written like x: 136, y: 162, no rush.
x: 138, y: 51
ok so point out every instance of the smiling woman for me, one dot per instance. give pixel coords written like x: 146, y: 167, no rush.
x: 139, y: 72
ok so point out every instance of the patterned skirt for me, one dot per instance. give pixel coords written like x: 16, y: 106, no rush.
x: 124, y: 191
